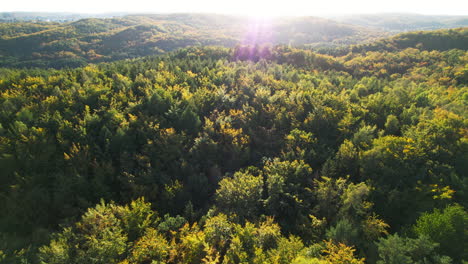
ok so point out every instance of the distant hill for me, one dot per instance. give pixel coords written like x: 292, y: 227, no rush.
x: 54, y: 44
x: 403, y: 22
x: 80, y: 41
x: 51, y: 16
x: 392, y: 22
x: 441, y: 40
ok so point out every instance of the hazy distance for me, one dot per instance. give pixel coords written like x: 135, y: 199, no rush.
x: 244, y: 7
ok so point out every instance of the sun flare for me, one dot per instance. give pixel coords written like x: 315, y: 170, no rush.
x: 252, y: 8
x: 261, y: 9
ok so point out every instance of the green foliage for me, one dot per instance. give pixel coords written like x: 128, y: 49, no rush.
x: 218, y: 230
x: 171, y: 224
x: 152, y: 247
x: 344, y: 232
x: 340, y: 253
x: 288, y: 193
x: 447, y: 228
x: 137, y: 217
x: 99, y: 238
x: 343, y: 163
x: 392, y: 126
x: 396, y: 249
x: 74, y: 44
x: 288, y: 249
x: 240, y: 195
x: 264, y: 157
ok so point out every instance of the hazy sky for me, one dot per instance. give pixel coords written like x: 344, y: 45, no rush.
x: 248, y: 7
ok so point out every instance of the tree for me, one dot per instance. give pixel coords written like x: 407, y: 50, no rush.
x: 344, y: 163
x: 151, y: 247
x: 344, y: 232
x: 97, y: 238
x: 395, y: 250
x: 240, y: 195
x: 392, y: 126
x: 340, y: 254
x: 447, y: 228
x: 288, y: 193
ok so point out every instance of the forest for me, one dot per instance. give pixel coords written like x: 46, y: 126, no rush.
x: 31, y: 44
x: 403, y: 22
x: 74, y: 44
x: 244, y: 154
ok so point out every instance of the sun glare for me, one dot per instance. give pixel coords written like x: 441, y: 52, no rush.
x: 252, y: 8
x: 261, y: 9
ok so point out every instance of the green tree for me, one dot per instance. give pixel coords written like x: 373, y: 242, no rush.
x: 448, y: 229
x: 392, y: 126
x: 395, y: 249
x: 240, y: 195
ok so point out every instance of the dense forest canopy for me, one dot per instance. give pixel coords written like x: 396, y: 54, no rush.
x: 250, y: 154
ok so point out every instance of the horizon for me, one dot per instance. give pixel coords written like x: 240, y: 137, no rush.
x: 214, y: 13
x: 260, y: 8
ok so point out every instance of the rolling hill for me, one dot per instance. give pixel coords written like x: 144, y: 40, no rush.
x: 71, y: 44
x: 403, y: 22
x: 271, y: 155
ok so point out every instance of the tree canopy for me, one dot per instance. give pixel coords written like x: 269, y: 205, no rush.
x: 207, y: 155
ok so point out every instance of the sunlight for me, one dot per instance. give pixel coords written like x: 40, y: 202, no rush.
x: 264, y: 9
x: 259, y: 9
x: 259, y: 29
x: 252, y: 8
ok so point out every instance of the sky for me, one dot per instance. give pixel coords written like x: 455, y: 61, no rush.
x: 244, y: 7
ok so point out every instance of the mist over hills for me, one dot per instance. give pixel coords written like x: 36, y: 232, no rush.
x: 401, y: 22
x: 395, y: 22
x: 54, y: 44
x: 44, y: 40
x: 51, y: 16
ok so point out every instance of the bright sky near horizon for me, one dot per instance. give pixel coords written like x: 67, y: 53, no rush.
x: 245, y: 7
